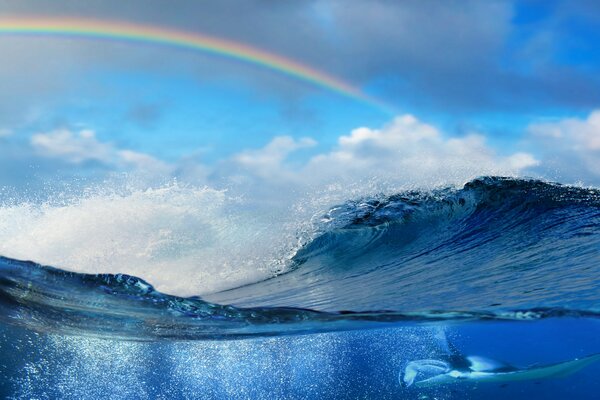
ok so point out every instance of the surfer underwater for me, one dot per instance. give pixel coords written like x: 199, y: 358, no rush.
x: 454, y: 367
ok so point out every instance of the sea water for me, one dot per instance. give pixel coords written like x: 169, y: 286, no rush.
x: 503, y: 269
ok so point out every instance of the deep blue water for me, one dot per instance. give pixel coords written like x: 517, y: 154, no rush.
x: 502, y: 268
x: 341, y: 365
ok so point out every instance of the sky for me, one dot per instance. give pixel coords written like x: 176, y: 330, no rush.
x: 468, y: 88
x: 201, y: 171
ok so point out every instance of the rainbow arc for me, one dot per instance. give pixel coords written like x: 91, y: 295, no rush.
x: 149, y: 34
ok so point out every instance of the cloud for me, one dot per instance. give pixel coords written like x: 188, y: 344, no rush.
x: 576, y: 134
x: 468, y: 55
x: 570, y: 148
x: 48, y: 163
x: 83, y: 146
x: 410, y: 151
x: 72, y: 147
x: 405, y: 152
x: 268, y: 160
x: 5, y: 133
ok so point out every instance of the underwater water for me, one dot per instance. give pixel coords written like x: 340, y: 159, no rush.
x: 490, y: 290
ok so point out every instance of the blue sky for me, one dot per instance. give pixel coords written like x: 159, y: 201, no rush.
x: 522, y: 77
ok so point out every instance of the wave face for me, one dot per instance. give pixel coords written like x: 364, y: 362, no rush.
x: 498, y: 248
x: 495, y: 243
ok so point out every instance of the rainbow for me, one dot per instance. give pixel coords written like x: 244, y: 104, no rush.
x: 136, y: 33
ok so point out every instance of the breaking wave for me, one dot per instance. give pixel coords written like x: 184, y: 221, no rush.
x: 497, y: 248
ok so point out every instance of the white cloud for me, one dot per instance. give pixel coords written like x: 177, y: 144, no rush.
x: 522, y: 161
x: 83, y: 146
x: 576, y: 134
x: 143, y: 161
x: 267, y: 163
x: 570, y: 148
x: 72, y: 147
x: 274, y: 153
x: 5, y: 133
x: 410, y: 151
x: 407, y: 151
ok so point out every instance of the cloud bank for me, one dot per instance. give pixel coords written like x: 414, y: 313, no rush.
x: 405, y: 152
x: 464, y: 56
x: 410, y: 151
x: 83, y: 146
x: 570, y: 148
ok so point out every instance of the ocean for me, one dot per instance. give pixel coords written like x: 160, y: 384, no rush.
x: 489, y: 290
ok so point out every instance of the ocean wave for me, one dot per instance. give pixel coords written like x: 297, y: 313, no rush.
x: 498, y: 248
x: 214, y: 239
x: 494, y: 243
x: 49, y: 300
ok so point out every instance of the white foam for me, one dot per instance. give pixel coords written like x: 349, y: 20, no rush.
x: 184, y: 240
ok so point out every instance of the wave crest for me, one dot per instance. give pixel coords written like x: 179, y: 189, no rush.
x: 500, y: 242
x: 498, y: 248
